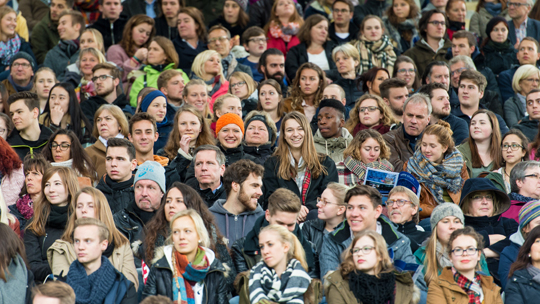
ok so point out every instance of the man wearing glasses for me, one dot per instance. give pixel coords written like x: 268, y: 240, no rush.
x: 219, y: 40
x: 342, y: 29
x: 529, y: 124
x: 21, y: 71
x: 525, y: 185
x: 521, y: 26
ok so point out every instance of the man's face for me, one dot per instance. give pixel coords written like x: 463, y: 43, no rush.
x: 143, y: 137
x: 415, y: 118
x: 21, y: 71
x: 440, y: 103
x: 147, y: 195
x: 174, y: 88
x: 530, y: 185
x: 285, y: 219
x: 436, y: 31
x: 256, y: 45
x: 533, y: 105
x: 456, y: 70
x: 439, y: 74
x: 207, y: 169
x: 219, y: 42
x: 396, y: 99
x: 105, y: 87
x: 88, y: 247
x: 274, y: 68
x: 468, y: 93
x: 111, y: 9
x: 57, y: 7
x: 400, y: 214
x: 527, y: 53
x: 517, y: 9
x: 250, y: 191
x: 330, y: 122
x: 67, y: 30
x: 342, y: 13
x: 170, y: 8
x: 460, y: 46
x: 361, y: 214
x: 331, y: 92
x: 21, y: 115
x: 119, y: 167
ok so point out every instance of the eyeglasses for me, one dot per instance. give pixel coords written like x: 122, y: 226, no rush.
x: 220, y: 39
x: 516, y: 4
x: 365, y: 250
x: 343, y: 11
x: 101, y: 77
x: 238, y: 84
x: 458, y: 71
x: 487, y: 197
x: 460, y: 252
x: 531, y: 80
x: 405, y: 71
x: 399, y: 202
x: 323, y: 203
x: 437, y: 23
x: 370, y: 109
x: 536, y: 176
x: 24, y: 65
x: 514, y: 147
x: 258, y: 40
x: 63, y: 147
x: 2, y: 131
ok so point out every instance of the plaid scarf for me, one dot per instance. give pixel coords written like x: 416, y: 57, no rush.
x: 305, y: 185
x: 436, y: 178
x: 472, y: 288
x: 186, y: 275
x: 285, y: 32
x: 378, y: 53
x: 359, y: 168
x: 9, y: 49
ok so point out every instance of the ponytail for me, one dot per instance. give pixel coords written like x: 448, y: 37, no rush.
x: 296, y: 250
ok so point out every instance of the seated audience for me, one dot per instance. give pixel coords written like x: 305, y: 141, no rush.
x: 405, y: 69
x: 234, y: 17
x: 16, y: 279
x: 21, y: 73
x: 485, y: 12
x: 207, y: 67
x: 191, y: 39
x: 522, y: 285
x: 370, y: 112
x: 401, y: 21
x: 172, y: 84
x: 394, y: 92
x: 154, y: 106
x: 112, y: 22
x: 44, y: 79
x: 524, y: 187
x: 11, y: 172
x: 45, y: 32
x: 195, y: 93
x: 331, y: 137
x: 227, y: 103
x: 342, y: 30
x: 306, y: 90
x: 53, y: 291
x: 283, y: 26
x: 515, y: 149
x: 526, y: 79
x: 347, y: 61
x: 272, y: 66
x: 12, y: 42
x: 260, y: 135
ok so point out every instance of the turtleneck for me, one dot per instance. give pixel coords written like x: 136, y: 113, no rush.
x: 159, y: 67
x: 412, y: 139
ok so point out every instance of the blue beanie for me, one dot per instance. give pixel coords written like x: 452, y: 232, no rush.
x: 153, y: 171
x: 145, y: 103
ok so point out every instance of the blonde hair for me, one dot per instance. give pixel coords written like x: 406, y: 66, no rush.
x: 98, y: 37
x: 219, y: 103
x: 117, y: 113
x: 204, y: 238
x: 385, y: 263
x: 338, y: 191
x: 354, y: 117
x: 5, y: 216
x: 353, y: 150
x: 251, y: 84
x: 198, y: 65
x: 97, y: 53
x: 522, y: 73
x: 349, y: 51
x: 296, y: 251
x: 193, y: 82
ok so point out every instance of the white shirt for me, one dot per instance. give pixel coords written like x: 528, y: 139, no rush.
x: 320, y: 60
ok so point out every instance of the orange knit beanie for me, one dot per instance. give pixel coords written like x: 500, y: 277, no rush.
x: 229, y: 118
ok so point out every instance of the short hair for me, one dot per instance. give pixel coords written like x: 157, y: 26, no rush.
x: 220, y: 157
x: 518, y: 173
x: 103, y: 231
x: 349, y: 51
x: 284, y: 200
x: 476, y: 77
x: 166, y: 76
x: 55, y: 289
x: 113, y: 70
x: 348, y: 2
x: 467, y: 61
x: 157, y: 300
x: 198, y: 63
x: 31, y: 100
x: 140, y: 117
x: 117, y: 113
x: 268, y: 52
x: 239, y: 171
x: 204, y: 238
x: 429, y: 69
x: 391, y: 83
x: 76, y: 18
x: 412, y: 197
x: 218, y: 27
x: 121, y: 142
x: 471, y: 38
x: 339, y: 88
x: 363, y: 190
x: 419, y: 98
x: 243, y: 76
x: 250, y: 32
x: 523, y: 72
x: 304, y: 34
x: 423, y: 23
x: 429, y: 88
x: 532, y: 40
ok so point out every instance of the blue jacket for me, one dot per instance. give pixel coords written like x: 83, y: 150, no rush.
x: 502, y: 124
x: 533, y: 30
x: 521, y: 288
x: 459, y: 127
x: 165, y: 129
x: 508, y: 256
x: 505, y: 83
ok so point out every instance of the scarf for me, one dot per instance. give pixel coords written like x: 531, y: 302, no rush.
x: 145, y: 216
x: 266, y: 286
x: 520, y: 198
x: 436, y: 178
x: 58, y: 216
x: 9, y: 49
x: 378, y: 53
x: 370, y: 289
x: 186, y: 275
x: 494, y: 9
x: 456, y: 25
x: 534, y: 272
x: 442, y: 256
x: 359, y: 168
x: 93, y: 288
x: 69, y: 47
x: 119, y: 185
x: 19, y: 88
x: 25, y: 205
x: 379, y: 128
x: 472, y: 288
x: 285, y: 32
x: 499, y: 47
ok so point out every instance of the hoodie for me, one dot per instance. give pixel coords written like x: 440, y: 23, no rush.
x: 234, y: 226
x: 23, y: 147
x: 333, y: 147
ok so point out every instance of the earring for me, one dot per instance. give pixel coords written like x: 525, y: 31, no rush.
x: 199, y: 241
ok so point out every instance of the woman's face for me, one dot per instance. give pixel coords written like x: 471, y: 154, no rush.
x: 294, y: 134
x: 230, y: 136
x: 465, y: 262
x: 499, y: 33
x: 85, y: 206
x: 9, y: 22
x: 189, y: 124
x: 88, y: 40
x: 328, y: 207
x: 401, y: 8
x: 432, y: 149
x: 374, y: 87
x: 406, y: 72
x: 509, y: 155
x: 198, y: 97
x: 156, y: 55
x: 55, y: 191
x: 59, y: 98
x: 480, y: 128
x: 62, y: 152
x: 88, y: 61
x: 481, y: 203
x: 184, y: 235
x: 365, y: 256
x: 527, y: 84
x: 446, y: 226
x: 174, y: 203
x: 285, y: 8
x: 309, y: 82
x: 45, y: 81
x: 319, y: 32
x: 212, y: 66
x: 158, y: 108
x: 33, y: 181
x: 369, y: 113
x: 273, y: 250
x: 187, y: 27
x: 107, y: 125
x: 239, y: 88
x: 269, y: 98
x: 345, y: 64
x: 457, y: 12
x: 3, y: 128
x: 373, y: 29
x: 231, y: 10
x: 535, y: 251
x: 370, y: 150
x: 256, y: 134
x: 141, y: 33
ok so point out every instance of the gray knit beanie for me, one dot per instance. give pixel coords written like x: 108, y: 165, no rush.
x: 444, y: 210
x: 153, y: 171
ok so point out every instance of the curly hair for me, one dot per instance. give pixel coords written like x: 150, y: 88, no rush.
x: 10, y: 160
x: 354, y: 116
x: 127, y: 42
x: 296, y: 94
x: 353, y: 150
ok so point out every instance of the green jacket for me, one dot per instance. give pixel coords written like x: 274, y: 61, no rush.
x: 44, y: 37
x: 150, y: 80
x: 465, y: 151
x: 423, y: 54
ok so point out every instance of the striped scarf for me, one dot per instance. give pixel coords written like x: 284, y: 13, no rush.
x: 378, y: 53
x: 186, y: 275
x: 472, y: 288
x: 359, y: 168
x: 9, y: 49
x: 266, y: 286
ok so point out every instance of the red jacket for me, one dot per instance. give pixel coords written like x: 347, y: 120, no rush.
x: 280, y: 44
x: 223, y: 89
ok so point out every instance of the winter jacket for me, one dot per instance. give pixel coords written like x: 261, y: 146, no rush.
x: 353, y: 33
x: 499, y: 61
x: 502, y: 124
x: 90, y: 106
x: 298, y: 55
x: 280, y: 44
x: 371, y: 7
x: 212, y: 289
x: 492, y: 85
x: 23, y: 147
x: 61, y: 254
x: 444, y: 289
x: 259, y: 13
x: 416, y: 234
x: 423, y: 54
x: 480, y: 19
x: 62, y: 55
x: 350, y: 86
x: 181, y: 163
x: 17, y: 289
x: 165, y: 129
x: 234, y: 226
x: 400, y: 149
x: 528, y: 127
x: 522, y: 288
x: 129, y: 224
x: 235, y: 66
x: 533, y: 30
x: 111, y: 32
x: 117, y: 55
x: 508, y: 256
x: 11, y: 185
x: 187, y: 54
x: 97, y: 153
x: 136, y: 7
x: 44, y: 37
x: 459, y: 127
x: 333, y: 147
x: 517, y: 201
x: 150, y: 80
x: 118, y: 199
x: 314, y: 232
x: 25, y: 47
x: 163, y: 28
x: 272, y: 182
x: 316, y: 8
x: 33, y: 11
x: 420, y: 256
x: 262, y: 152
x: 505, y: 82
x: 514, y: 111
x: 235, y: 30
x: 36, y: 250
x: 395, y: 32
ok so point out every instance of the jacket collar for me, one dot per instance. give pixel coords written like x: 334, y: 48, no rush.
x: 389, y: 233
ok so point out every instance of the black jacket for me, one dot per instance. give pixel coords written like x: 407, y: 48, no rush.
x: 90, y: 106
x: 118, y: 198
x: 235, y: 30
x: 298, y: 55
x: 459, y: 127
x: 259, y: 12
x: 111, y: 32
x: 371, y: 7
x: 23, y: 147
x: 129, y: 224
x: 262, y: 153
x: 528, y: 127
x: 350, y: 86
x: 521, y: 288
x: 499, y: 61
x: 416, y: 236
x: 271, y: 181
x: 163, y: 28
x: 187, y: 54
x: 36, y: 251
x: 353, y: 33
x: 136, y: 7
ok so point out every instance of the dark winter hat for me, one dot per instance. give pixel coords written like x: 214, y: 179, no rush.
x: 333, y: 103
x: 23, y: 55
x: 242, y: 3
x: 473, y: 185
x: 263, y: 119
x: 494, y: 21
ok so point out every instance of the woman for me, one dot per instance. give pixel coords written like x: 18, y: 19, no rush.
x: 456, y: 12
x: 306, y: 90
x: 161, y: 57
x: 283, y: 26
x: 347, y: 60
x: 486, y: 10
x: 526, y: 79
x: 196, y: 94
x: 372, y: 79
x: 375, y: 48
x: 191, y: 39
x: 367, y: 275
x: 260, y: 135
x: 439, y: 168
x: 155, y: 104
x: 271, y: 101
x: 482, y: 151
x: 370, y: 112
x: 315, y: 46
x: 90, y: 38
x: 91, y: 203
x: 131, y: 52
x: 188, y: 260
x: 244, y: 87
x: 462, y: 282
x: 64, y: 150
x: 10, y: 41
x: 6, y: 126
x: 515, y: 149
x: 405, y: 69
x: 229, y: 135
x: 499, y: 53
x: 523, y: 285
x: 109, y: 122
x: 234, y: 18
x: 51, y: 213
x: 7, y: 218
x: 44, y: 79
x: 12, y: 173
x: 63, y: 111
x: 401, y: 21
x: 297, y: 166
x: 281, y: 277
x: 368, y: 149
x: 207, y: 67
x: 82, y: 78
x: 227, y: 103
x: 320, y: 7
x: 15, y: 276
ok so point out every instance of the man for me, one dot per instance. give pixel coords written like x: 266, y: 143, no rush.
x: 521, y: 26
x: 402, y: 141
x: 529, y: 124
x: 524, y: 186
x: 21, y: 74
x: 149, y: 8
x: 28, y: 136
x: 331, y: 137
x: 364, y: 208
x: 90, y: 240
x: 53, y: 292
x: 433, y: 46
x: 255, y: 42
x: 394, y: 92
x: 167, y: 20
x: 236, y: 215
x: 334, y: 91
x: 283, y: 209
x: 528, y: 53
x: 143, y: 134
x: 117, y: 184
x: 111, y: 23
x: 437, y: 71
x: 219, y: 40
x: 342, y: 29
x: 45, y: 34
x: 440, y: 102
x: 471, y: 90
x: 272, y: 66
x: 106, y: 79
x: 370, y: 7
x: 171, y: 83
x: 209, y: 166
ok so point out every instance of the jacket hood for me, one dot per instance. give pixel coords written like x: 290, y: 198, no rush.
x: 151, y: 71
x: 218, y: 208
x: 473, y: 185
x: 334, y: 143
x: 517, y: 238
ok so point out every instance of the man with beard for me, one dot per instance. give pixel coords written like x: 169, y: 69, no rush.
x: 171, y: 83
x: 440, y: 102
x: 394, y: 92
x: 243, y: 182
x: 272, y: 66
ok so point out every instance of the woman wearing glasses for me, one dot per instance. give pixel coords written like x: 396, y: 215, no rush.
x: 347, y: 60
x: 367, y: 275
x: 401, y: 21
x: 370, y: 112
x: 523, y: 285
x: 244, y: 87
x: 462, y: 282
x: 405, y: 69
x: 526, y: 79
x: 515, y: 149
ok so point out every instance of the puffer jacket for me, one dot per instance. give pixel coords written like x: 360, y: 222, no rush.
x: 522, y: 288
x: 333, y: 147
x: 213, y: 287
x: 118, y: 199
x: 480, y: 19
x: 150, y: 80
x: 514, y: 111
x: 528, y: 127
x: 262, y: 152
x: 423, y: 54
x: 36, y: 251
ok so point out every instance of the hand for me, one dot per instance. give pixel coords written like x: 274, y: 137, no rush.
x: 184, y: 143
x: 302, y: 215
x: 56, y: 115
x: 141, y: 54
x: 235, y: 41
x: 494, y: 238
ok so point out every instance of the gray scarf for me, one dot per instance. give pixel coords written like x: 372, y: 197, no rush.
x: 442, y: 256
x: 534, y: 272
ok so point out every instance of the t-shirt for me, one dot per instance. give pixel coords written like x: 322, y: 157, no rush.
x: 320, y: 60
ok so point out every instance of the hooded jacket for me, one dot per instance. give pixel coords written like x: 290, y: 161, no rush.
x: 298, y: 55
x: 234, y: 226
x: 528, y: 127
x: 111, y: 32
x: 23, y: 147
x: 514, y: 111
x: 62, y: 55
x: 44, y: 37
x: 333, y: 147
x: 90, y: 106
x: 423, y: 54
x: 150, y: 80
x: 118, y: 198
x: 509, y: 256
